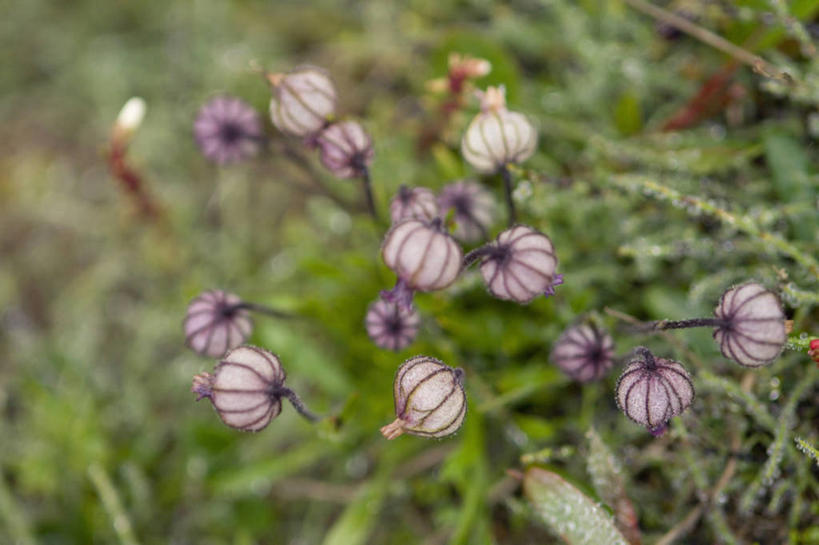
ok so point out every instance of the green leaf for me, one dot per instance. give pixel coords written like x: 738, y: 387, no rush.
x: 628, y: 116
x: 569, y: 512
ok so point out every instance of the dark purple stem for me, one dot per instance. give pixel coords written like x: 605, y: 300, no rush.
x: 297, y: 403
x: 647, y: 355
x: 368, y: 192
x: 662, y: 325
x: 401, y: 294
x: 477, y: 254
x: 507, y: 187
x: 262, y: 309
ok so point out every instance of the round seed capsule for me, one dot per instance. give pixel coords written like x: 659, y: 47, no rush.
x: 653, y: 390
x: 753, y: 334
x: 474, y: 209
x: 244, y: 388
x: 227, y: 130
x: 496, y: 136
x: 429, y: 399
x: 392, y: 326
x: 215, y: 323
x: 345, y: 149
x: 413, y: 203
x: 303, y: 100
x: 519, y: 265
x: 423, y: 256
x: 584, y: 352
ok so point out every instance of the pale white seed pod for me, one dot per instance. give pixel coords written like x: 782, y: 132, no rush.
x: 584, y: 352
x: 244, y: 388
x: 754, y: 331
x: 497, y: 136
x: 214, y: 323
x: 429, y: 399
x: 653, y: 390
x: 474, y: 208
x: 303, y: 101
x: 423, y: 256
x: 345, y: 149
x: 413, y: 203
x: 519, y: 264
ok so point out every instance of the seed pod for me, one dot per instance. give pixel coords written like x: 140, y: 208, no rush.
x: 653, y: 390
x: 474, y: 209
x: 753, y: 333
x: 215, y: 323
x: 423, y: 256
x: 392, y: 326
x: 227, y: 130
x: 584, y: 352
x: 345, y: 149
x: 244, y: 388
x: 429, y: 399
x: 303, y: 101
x: 519, y: 265
x: 413, y: 203
x: 496, y: 136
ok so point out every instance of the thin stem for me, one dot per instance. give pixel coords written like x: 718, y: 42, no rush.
x: 507, y: 187
x: 262, y: 309
x: 113, y: 504
x: 475, y: 255
x: 647, y: 355
x: 368, y: 192
x: 297, y: 403
x: 661, y: 325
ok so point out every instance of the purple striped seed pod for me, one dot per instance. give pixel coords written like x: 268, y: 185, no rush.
x: 519, y: 265
x: 227, y: 130
x: 429, y: 399
x: 653, y: 390
x: 303, y: 101
x: 584, y: 352
x: 345, y: 149
x: 753, y: 333
x: 413, y: 203
x: 474, y: 209
x: 496, y: 136
x: 245, y: 388
x: 215, y: 323
x: 424, y: 257
x: 392, y: 326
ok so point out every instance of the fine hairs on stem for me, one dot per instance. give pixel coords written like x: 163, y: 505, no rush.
x: 507, y: 189
x: 297, y: 403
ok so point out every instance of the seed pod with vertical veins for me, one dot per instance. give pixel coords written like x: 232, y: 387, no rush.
x: 303, y: 101
x: 429, y: 399
x: 474, y: 209
x: 215, y: 323
x: 422, y: 254
x: 753, y: 333
x: 345, y: 149
x: 413, y: 203
x: 390, y: 325
x: 584, y: 352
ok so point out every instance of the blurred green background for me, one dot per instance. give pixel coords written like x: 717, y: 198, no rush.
x: 102, y: 442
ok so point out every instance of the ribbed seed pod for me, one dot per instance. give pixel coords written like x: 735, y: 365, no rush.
x: 474, y: 209
x: 519, y: 265
x: 584, y: 352
x: 215, y: 323
x: 392, y: 326
x: 345, y: 149
x: 754, y: 331
x: 227, y: 130
x: 413, y: 203
x: 244, y: 388
x: 429, y: 399
x: 303, y: 101
x: 496, y: 136
x: 423, y: 256
x: 653, y: 390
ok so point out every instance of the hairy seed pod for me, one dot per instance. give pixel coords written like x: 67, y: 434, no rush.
x: 474, y: 209
x: 245, y: 388
x: 413, y: 203
x: 227, y: 130
x: 303, y: 101
x: 584, y: 352
x: 429, y: 399
x: 496, y: 136
x: 423, y: 256
x: 215, y: 323
x: 392, y: 326
x: 753, y: 333
x: 345, y: 149
x: 653, y: 390
x: 519, y: 265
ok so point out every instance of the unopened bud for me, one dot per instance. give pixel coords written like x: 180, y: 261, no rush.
x: 215, y: 322
x: 303, y: 101
x: 345, y: 149
x: 392, y: 326
x: 130, y: 117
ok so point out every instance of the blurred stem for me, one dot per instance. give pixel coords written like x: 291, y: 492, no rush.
x: 14, y: 517
x: 760, y: 65
x: 298, y: 159
x: 507, y: 189
x: 262, y: 309
x: 794, y: 27
x: 742, y: 223
x: 297, y: 403
x: 368, y: 192
x: 800, y: 296
x: 112, y: 504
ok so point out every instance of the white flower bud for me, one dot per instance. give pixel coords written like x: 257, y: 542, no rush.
x: 753, y: 333
x: 496, y: 136
x: 423, y: 256
x: 413, y: 203
x: 131, y: 115
x: 429, y: 399
x: 303, y: 101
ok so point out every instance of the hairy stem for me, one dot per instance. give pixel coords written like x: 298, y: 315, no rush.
x: 297, y: 403
x: 368, y: 192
